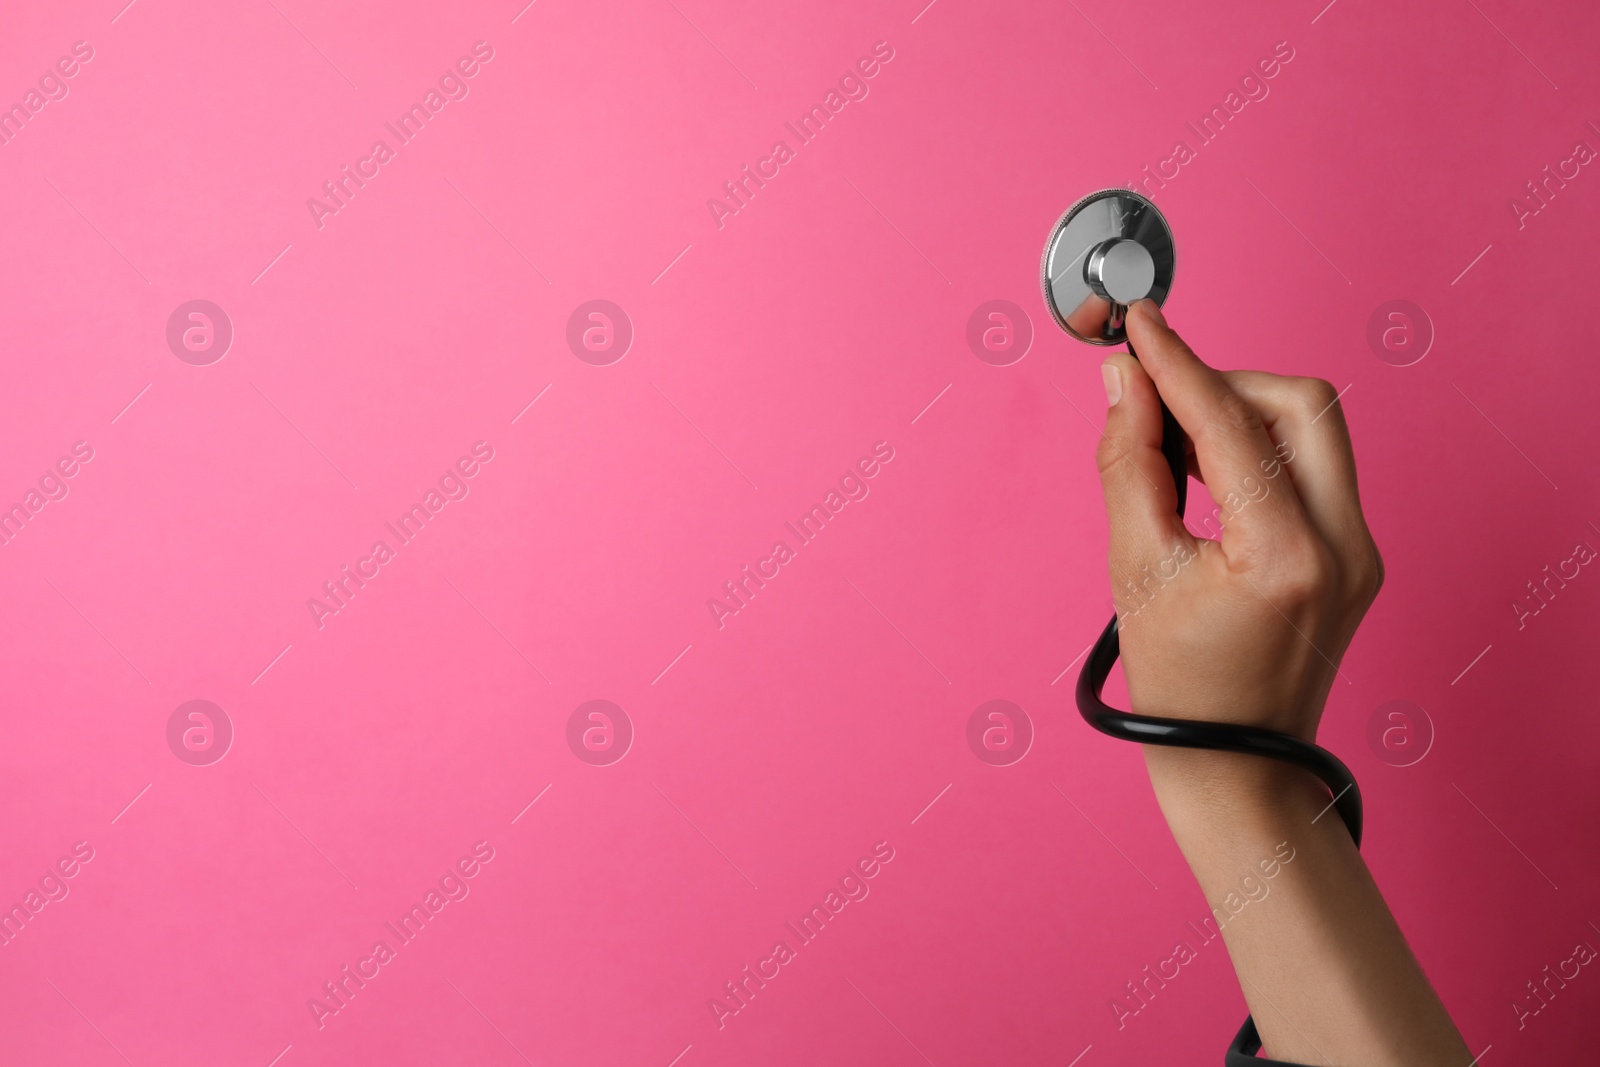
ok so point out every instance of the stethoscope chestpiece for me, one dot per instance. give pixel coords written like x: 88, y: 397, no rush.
x: 1110, y: 249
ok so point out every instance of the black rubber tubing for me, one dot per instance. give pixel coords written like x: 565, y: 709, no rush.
x: 1190, y: 733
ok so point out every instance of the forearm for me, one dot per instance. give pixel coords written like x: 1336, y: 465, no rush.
x: 1323, y: 965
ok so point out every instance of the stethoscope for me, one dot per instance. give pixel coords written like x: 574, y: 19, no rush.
x: 1111, y: 249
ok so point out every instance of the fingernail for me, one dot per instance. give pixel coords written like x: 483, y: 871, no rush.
x: 1152, y: 309
x: 1113, y: 379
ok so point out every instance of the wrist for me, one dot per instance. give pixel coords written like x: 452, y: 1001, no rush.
x: 1201, y: 789
x: 1289, y: 703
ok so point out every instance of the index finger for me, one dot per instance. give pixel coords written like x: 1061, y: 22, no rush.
x: 1230, y: 439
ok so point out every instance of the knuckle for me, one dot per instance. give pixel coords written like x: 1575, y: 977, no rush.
x: 1315, y: 395
x: 1111, y: 452
x: 1366, y: 575
x: 1303, y: 572
x: 1237, y: 414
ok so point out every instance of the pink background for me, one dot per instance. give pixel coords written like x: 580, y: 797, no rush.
x: 773, y: 352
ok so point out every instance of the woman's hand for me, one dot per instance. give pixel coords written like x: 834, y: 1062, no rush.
x: 1249, y: 627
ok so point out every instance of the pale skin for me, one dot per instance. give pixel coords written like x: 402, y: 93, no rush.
x: 1249, y: 631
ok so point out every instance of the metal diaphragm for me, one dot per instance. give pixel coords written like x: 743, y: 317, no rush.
x: 1110, y: 249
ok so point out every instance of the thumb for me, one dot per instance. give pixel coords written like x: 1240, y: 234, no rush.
x: 1141, y: 499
